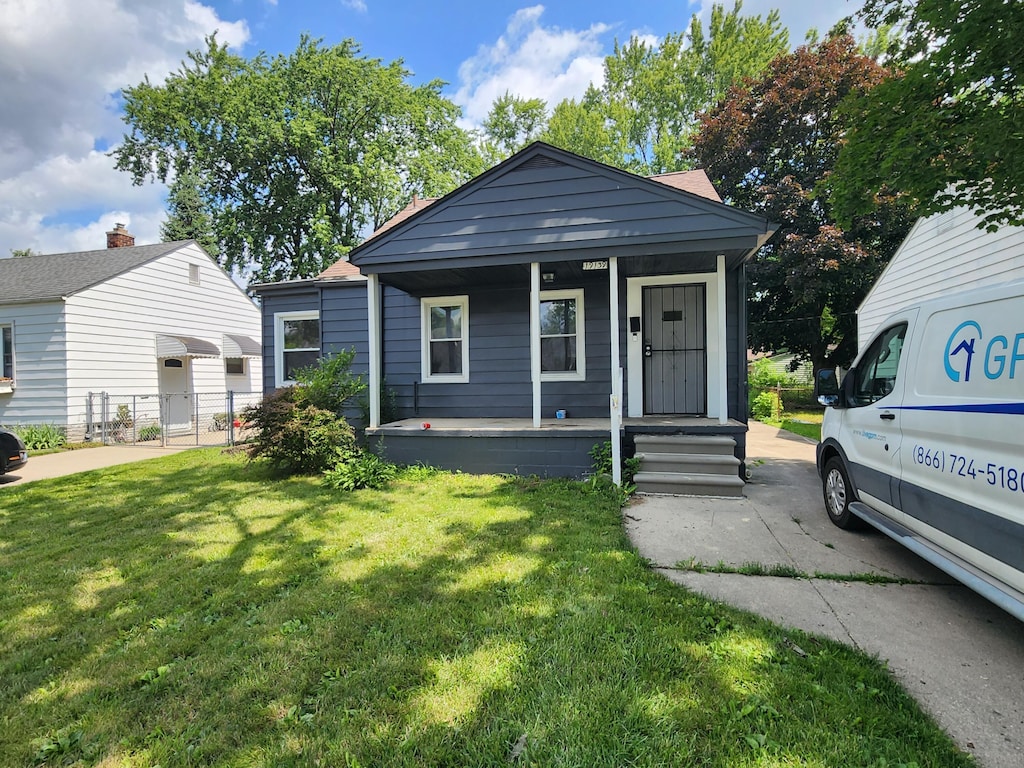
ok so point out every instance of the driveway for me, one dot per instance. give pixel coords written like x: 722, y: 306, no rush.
x: 958, y: 655
x: 82, y: 460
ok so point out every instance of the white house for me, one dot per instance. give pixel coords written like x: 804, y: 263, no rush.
x: 942, y: 253
x: 128, y: 320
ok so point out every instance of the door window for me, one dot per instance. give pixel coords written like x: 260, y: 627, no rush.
x: 875, y: 375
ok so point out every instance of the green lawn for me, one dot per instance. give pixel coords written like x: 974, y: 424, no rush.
x: 194, y: 611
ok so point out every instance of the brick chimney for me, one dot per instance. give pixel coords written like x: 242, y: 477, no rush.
x: 119, y: 237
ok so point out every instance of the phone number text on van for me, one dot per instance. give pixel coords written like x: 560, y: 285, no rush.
x: 1010, y: 478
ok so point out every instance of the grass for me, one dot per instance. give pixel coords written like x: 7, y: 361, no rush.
x: 783, y: 570
x: 805, y: 422
x: 193, y: 610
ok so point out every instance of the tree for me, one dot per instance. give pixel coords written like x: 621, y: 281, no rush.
x: 21, y: 253
x: 947, y: 131
x: 299, y: 156
x: 643, y: 117
x: 770, y: 146
x: 187, y: 215
x: 512, y: 123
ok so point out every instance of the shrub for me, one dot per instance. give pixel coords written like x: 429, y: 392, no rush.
x: 602, y: 456
x: 330, y: 383
x: 296, y: 437
x: 762, y: 375
x: 40, y: 437
x: 149, y: 432
x: 360, y: 470
x: 767, y: 407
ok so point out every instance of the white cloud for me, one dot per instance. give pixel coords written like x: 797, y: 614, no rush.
x: 62, y: 66
x: 355, y: 5
x: 531, y: 61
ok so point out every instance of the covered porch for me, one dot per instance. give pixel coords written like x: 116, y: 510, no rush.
x: 555, y: 448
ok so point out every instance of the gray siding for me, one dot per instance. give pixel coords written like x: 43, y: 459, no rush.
x: 302, y: 297
x: 545, y: 202
x: 343, y: 322
x: 499, y: 360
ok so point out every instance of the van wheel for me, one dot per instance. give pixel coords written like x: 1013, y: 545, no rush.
x: 838, y: 493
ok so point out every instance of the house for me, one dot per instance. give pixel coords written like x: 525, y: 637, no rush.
x: 526, y: 314
x: 130, y: 321
x: 941, y: 253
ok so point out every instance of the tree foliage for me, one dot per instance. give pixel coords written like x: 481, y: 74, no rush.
x: 187, y: 215
x: 299, y: 155
x: 948, y: 130
x: 769, y: 146
x: 643, y: 116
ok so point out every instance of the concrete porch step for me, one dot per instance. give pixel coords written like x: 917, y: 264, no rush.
x: 690, y: 463
x: 690, y: 484
x: 700, y: 444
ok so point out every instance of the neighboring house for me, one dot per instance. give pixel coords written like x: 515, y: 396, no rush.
x: 942, y: 253
x: 525, y: 293
x: 129, y: 321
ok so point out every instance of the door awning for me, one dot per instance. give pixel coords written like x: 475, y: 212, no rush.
x: 241, y: 346
x: 184, y: 346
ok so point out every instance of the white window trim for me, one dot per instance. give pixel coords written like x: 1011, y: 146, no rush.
x: 425, y: 306
x: 279, y: 318
x: 580, y: 374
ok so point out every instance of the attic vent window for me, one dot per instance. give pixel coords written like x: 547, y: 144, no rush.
x: 193, y: 274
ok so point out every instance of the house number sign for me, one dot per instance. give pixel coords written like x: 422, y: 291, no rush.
x: 592, y: 265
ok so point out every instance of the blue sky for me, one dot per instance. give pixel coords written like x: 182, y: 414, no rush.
x: 63, y: 63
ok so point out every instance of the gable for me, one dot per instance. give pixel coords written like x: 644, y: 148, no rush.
x: 546, y: 204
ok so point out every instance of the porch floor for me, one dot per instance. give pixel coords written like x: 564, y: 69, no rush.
x: 510, y: 427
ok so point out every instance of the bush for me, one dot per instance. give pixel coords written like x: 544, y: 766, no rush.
x: 41, y: 437
x: 360, y: 470
x: 762, y: 375
x: 602, y: 456
x: 296, y: 437
x: 767, y: 407
x: 330, y: 383
x: 149, y: 432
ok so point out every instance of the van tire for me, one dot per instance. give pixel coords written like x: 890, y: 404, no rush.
x: 838, y: 492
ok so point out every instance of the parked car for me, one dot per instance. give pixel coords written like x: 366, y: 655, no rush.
x: 12, y: 451
x: 923, y: 438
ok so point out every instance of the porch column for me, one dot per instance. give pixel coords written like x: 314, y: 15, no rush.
x: 373, y: 317
x: 723, y: 371
x: 615, y: 404
x: 535, y: 339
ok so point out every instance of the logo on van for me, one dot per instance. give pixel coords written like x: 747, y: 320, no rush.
x: 1001, y: 357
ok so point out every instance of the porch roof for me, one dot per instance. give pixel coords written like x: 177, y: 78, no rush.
x: 550, y: 206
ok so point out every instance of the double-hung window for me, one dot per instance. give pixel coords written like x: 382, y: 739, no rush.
x: 6, y: 355
x: 445, y: 333
x: 562, y: 346
x: 296, y: 344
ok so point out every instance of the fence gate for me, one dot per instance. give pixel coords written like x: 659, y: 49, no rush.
x: 182, y: 419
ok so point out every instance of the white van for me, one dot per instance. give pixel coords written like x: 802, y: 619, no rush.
x: 924, y: 439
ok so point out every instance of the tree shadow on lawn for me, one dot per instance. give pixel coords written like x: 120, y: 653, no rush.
x: 203, y: 615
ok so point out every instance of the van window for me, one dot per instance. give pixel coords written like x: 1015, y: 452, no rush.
x: 875, y: 375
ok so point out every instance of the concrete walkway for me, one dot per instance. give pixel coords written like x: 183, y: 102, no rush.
x: 82, y: 460
x: 958, y: 655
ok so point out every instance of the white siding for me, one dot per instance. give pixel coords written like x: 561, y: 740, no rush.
x: 39, y: 367
x: 112, y: 328
x: 943, y: 253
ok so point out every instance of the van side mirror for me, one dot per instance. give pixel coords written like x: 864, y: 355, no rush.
x: 826, y: 387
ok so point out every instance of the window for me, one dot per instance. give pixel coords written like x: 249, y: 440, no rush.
x: 562, y: 348
x: 193, y: 274
x: 296, y: 344
x: 445, y: 333
x: 875, y: 375
x: 234, y: 366
x: 7, y: 354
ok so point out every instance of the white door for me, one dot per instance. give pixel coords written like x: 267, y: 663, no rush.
x: 176, y: 397
x: 871, y: 431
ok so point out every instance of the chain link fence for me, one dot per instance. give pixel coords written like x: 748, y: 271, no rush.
x: 192, y: 419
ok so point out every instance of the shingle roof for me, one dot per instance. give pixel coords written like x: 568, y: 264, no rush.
x: 340, y: 270
x: 48, y: 277
x: 695, y: 182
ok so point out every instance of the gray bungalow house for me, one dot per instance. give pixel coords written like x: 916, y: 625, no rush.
x: 545, y: 306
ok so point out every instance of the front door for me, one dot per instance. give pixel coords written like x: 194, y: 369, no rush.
x: 675, y: 349
x: 174, y: 387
